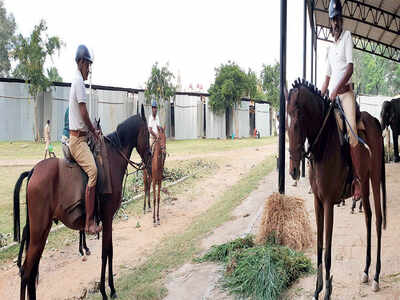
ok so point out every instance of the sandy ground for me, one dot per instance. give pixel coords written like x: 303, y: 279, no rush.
x: 132, y: 245
x: 200, y: 281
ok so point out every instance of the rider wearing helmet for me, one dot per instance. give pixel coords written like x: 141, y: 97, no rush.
x: 154, y: 122
x: 338, y: 77
x: 79, y: 125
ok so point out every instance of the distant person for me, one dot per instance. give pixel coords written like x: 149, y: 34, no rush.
x: 277, y: 124
x: 154, y: 121
x: 47, y: 139
x: 65, y: 136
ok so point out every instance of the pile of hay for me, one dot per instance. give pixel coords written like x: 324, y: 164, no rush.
x: 286, y: 221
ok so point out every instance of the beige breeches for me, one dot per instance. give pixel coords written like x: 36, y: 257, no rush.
x: 81, y: 153
x: 349, y: 108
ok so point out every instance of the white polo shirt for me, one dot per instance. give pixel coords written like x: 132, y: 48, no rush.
x: 154, y: 122
x: 77, y: 95
x: 339, y: 55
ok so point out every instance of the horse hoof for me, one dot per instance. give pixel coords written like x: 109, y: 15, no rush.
x: 158, y: 222
x: 88, y: 252
x: 352, y: 212
x: 364, y: 278
x: 360, y: 211
x: 114, y: 296
x: 375, y: 286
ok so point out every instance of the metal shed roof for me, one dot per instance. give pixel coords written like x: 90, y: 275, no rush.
x: 374, y: 24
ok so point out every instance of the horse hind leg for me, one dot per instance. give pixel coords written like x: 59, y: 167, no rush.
x: 378, y: 216
x: 87, y: 250
x: 158, y: 202
x: 368, y: 217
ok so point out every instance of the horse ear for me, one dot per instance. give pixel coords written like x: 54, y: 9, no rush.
x: 143, y: 114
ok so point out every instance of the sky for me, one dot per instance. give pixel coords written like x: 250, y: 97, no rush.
x: 193, y: 37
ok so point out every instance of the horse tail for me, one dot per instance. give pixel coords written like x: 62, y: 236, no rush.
x: 383, y: 182
x: 17, y: 219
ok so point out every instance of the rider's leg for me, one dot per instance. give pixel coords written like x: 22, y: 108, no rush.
x: 349, y: 108
x: 81, y: 153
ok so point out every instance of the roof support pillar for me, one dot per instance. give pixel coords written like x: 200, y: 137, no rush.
x: 282, y: 109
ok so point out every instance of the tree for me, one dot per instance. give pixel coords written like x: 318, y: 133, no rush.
x: 53, y: 75
x: 31, y: 54
x: 7, y: 29
x: 270, y: 76
x: 160, y: 85
x: 231, y: 84
x: 375, y: 75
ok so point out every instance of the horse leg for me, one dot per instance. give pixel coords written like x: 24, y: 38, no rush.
x: 113, y: 293
x: 87, y: 250
x: 328, y: 215
x: 368, y: 218
x: 148, y: 193
x: 154, y: 202
x: 378, y: 223
x: 80, y: 242
x: 319, y: 213
x: 360, y: 207
x: 158, y: 202
x: 30, y: 269
x: 145, y: 192
x: 104, y: 256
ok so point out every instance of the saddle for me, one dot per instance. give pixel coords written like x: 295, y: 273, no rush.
x: 73, y: 180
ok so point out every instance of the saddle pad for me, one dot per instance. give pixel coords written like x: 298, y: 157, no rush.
x: 72, y: 182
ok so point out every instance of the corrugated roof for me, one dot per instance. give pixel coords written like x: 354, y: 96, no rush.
x: 374, y: 24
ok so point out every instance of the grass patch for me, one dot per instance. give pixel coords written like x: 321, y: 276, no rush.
x: 145, y: 281
x: 258, y: 271
x: 26, y: 150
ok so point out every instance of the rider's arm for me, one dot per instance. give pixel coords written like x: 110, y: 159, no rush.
x: 152, y: 132
x: 345, y: 79
x: 325, y: 85
x: 85, y: 117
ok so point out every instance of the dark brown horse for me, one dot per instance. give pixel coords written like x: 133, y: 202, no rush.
x: 43, y: 201
x: 157, y: 166
x: 312, y: 118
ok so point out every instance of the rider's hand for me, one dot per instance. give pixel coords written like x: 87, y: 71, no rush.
x: 333, y: 96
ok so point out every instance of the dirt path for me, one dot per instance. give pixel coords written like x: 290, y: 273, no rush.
x: 131, y: 244
x: 200, y: 281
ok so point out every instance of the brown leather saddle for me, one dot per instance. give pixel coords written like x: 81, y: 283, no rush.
x: 73, y: 180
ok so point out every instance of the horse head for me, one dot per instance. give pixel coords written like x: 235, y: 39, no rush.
x: 143, y: 144
x: 306, y: 109
x: 296, y: 132
x: 387, y: 114
x: 163, y: 143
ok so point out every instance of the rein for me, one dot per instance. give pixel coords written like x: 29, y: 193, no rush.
x: 138, y: 166
x: 310, y: 148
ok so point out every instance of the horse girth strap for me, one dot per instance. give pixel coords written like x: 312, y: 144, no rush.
x: 309, y: 150
x: 138, y: 166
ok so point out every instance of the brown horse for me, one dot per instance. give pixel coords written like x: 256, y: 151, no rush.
x: 157, y: 166
x: 312, y: 117
x: 43, y: 201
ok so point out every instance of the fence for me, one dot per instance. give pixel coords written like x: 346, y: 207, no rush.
x: 188, y: 117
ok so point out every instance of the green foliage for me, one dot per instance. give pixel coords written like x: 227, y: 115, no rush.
x: 258, y: 271
x: 375, y: 75
x: 270, y: 76
x: 31, y: 54
x: 7, y: 29
x: 160, y: 85
x: 221, y: 253
x: 53, y: 75
x: 231, y: 84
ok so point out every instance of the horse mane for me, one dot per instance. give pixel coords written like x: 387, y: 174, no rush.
x: 126, y: 132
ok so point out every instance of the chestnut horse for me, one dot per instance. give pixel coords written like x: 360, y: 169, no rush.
x: 43, y: 203
x: 312, y: 118
x: 157, y: 166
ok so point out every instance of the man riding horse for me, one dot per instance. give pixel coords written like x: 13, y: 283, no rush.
x: 154, y: 123
x: 338, y: 77
x: 79, y: 125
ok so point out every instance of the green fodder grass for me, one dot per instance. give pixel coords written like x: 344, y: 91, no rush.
x: 145, y: 281
x: 260, y: 271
